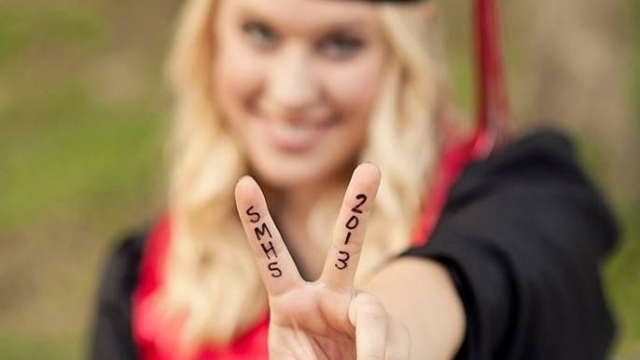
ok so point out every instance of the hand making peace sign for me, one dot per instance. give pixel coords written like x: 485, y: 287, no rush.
x: 328, y: 318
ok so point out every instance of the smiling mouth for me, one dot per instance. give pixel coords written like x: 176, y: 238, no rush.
x: 294, y: 138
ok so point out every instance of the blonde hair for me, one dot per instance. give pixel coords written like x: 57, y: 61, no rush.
x: 212, y: 283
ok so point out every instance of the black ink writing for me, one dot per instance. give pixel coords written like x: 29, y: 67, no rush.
x: 346, y: 240
x: 363, y: 199
x: 352, y: 223
x: 255, y: 216
x: 267, y: 247
x: 342, y: 261
x: 268, y: 250
x: 261, y: 231
x: 275, y: 270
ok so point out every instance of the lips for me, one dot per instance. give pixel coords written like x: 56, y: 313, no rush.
x: 293, y: 137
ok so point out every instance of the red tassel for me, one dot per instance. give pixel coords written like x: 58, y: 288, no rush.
x: 494, y: 126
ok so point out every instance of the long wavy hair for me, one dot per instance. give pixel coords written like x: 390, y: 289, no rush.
x: 211, y: 281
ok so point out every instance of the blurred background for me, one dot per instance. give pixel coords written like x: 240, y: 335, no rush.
x: 84, y: 112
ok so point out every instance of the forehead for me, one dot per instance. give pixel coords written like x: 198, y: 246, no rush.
x: 305, y: 14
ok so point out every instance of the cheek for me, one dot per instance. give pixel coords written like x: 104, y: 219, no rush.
x: 238, y: 77
x: 354, y: 88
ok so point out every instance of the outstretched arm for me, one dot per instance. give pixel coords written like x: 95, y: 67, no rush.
x: 421, y: 294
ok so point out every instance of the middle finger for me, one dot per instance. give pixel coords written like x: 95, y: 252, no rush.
x: 348, y: 237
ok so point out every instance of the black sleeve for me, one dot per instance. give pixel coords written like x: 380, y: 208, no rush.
x: 523, y: 234
x: 111, y: 335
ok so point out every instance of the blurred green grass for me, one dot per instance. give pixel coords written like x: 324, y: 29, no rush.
x: 82, y: 125
x: 83, y: 150
x: 623, y: 272
x: 83, y: 116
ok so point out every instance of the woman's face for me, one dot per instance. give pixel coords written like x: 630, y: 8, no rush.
x: 296, y: 81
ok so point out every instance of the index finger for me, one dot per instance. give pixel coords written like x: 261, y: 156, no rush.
x: 275, y: 264
x: 348, y: 237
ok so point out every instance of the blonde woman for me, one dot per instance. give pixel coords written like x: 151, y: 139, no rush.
x: 296, y: 94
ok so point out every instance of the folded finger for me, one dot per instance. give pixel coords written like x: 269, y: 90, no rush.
x: 398, y: 342
x: 348, y: 236
x: 368, y: 316
x: 276, y: 267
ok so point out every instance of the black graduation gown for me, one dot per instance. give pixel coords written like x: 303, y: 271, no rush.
x: 523, y: 234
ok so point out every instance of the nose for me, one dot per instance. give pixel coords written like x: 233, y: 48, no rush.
x: 293, y: 85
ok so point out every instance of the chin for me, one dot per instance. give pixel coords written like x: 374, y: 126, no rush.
x: 298, y: 173
x: 281, y: 176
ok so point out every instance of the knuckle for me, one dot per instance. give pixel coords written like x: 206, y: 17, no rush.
x: 399, y: 344
x: 371, y: 307
x: 370, y: 355
x: 396, y: 355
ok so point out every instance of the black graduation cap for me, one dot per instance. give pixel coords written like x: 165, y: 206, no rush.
x: 494, y: 125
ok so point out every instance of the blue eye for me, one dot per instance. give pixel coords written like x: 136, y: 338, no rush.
x: 259, y: 34
x: 341, y: 46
